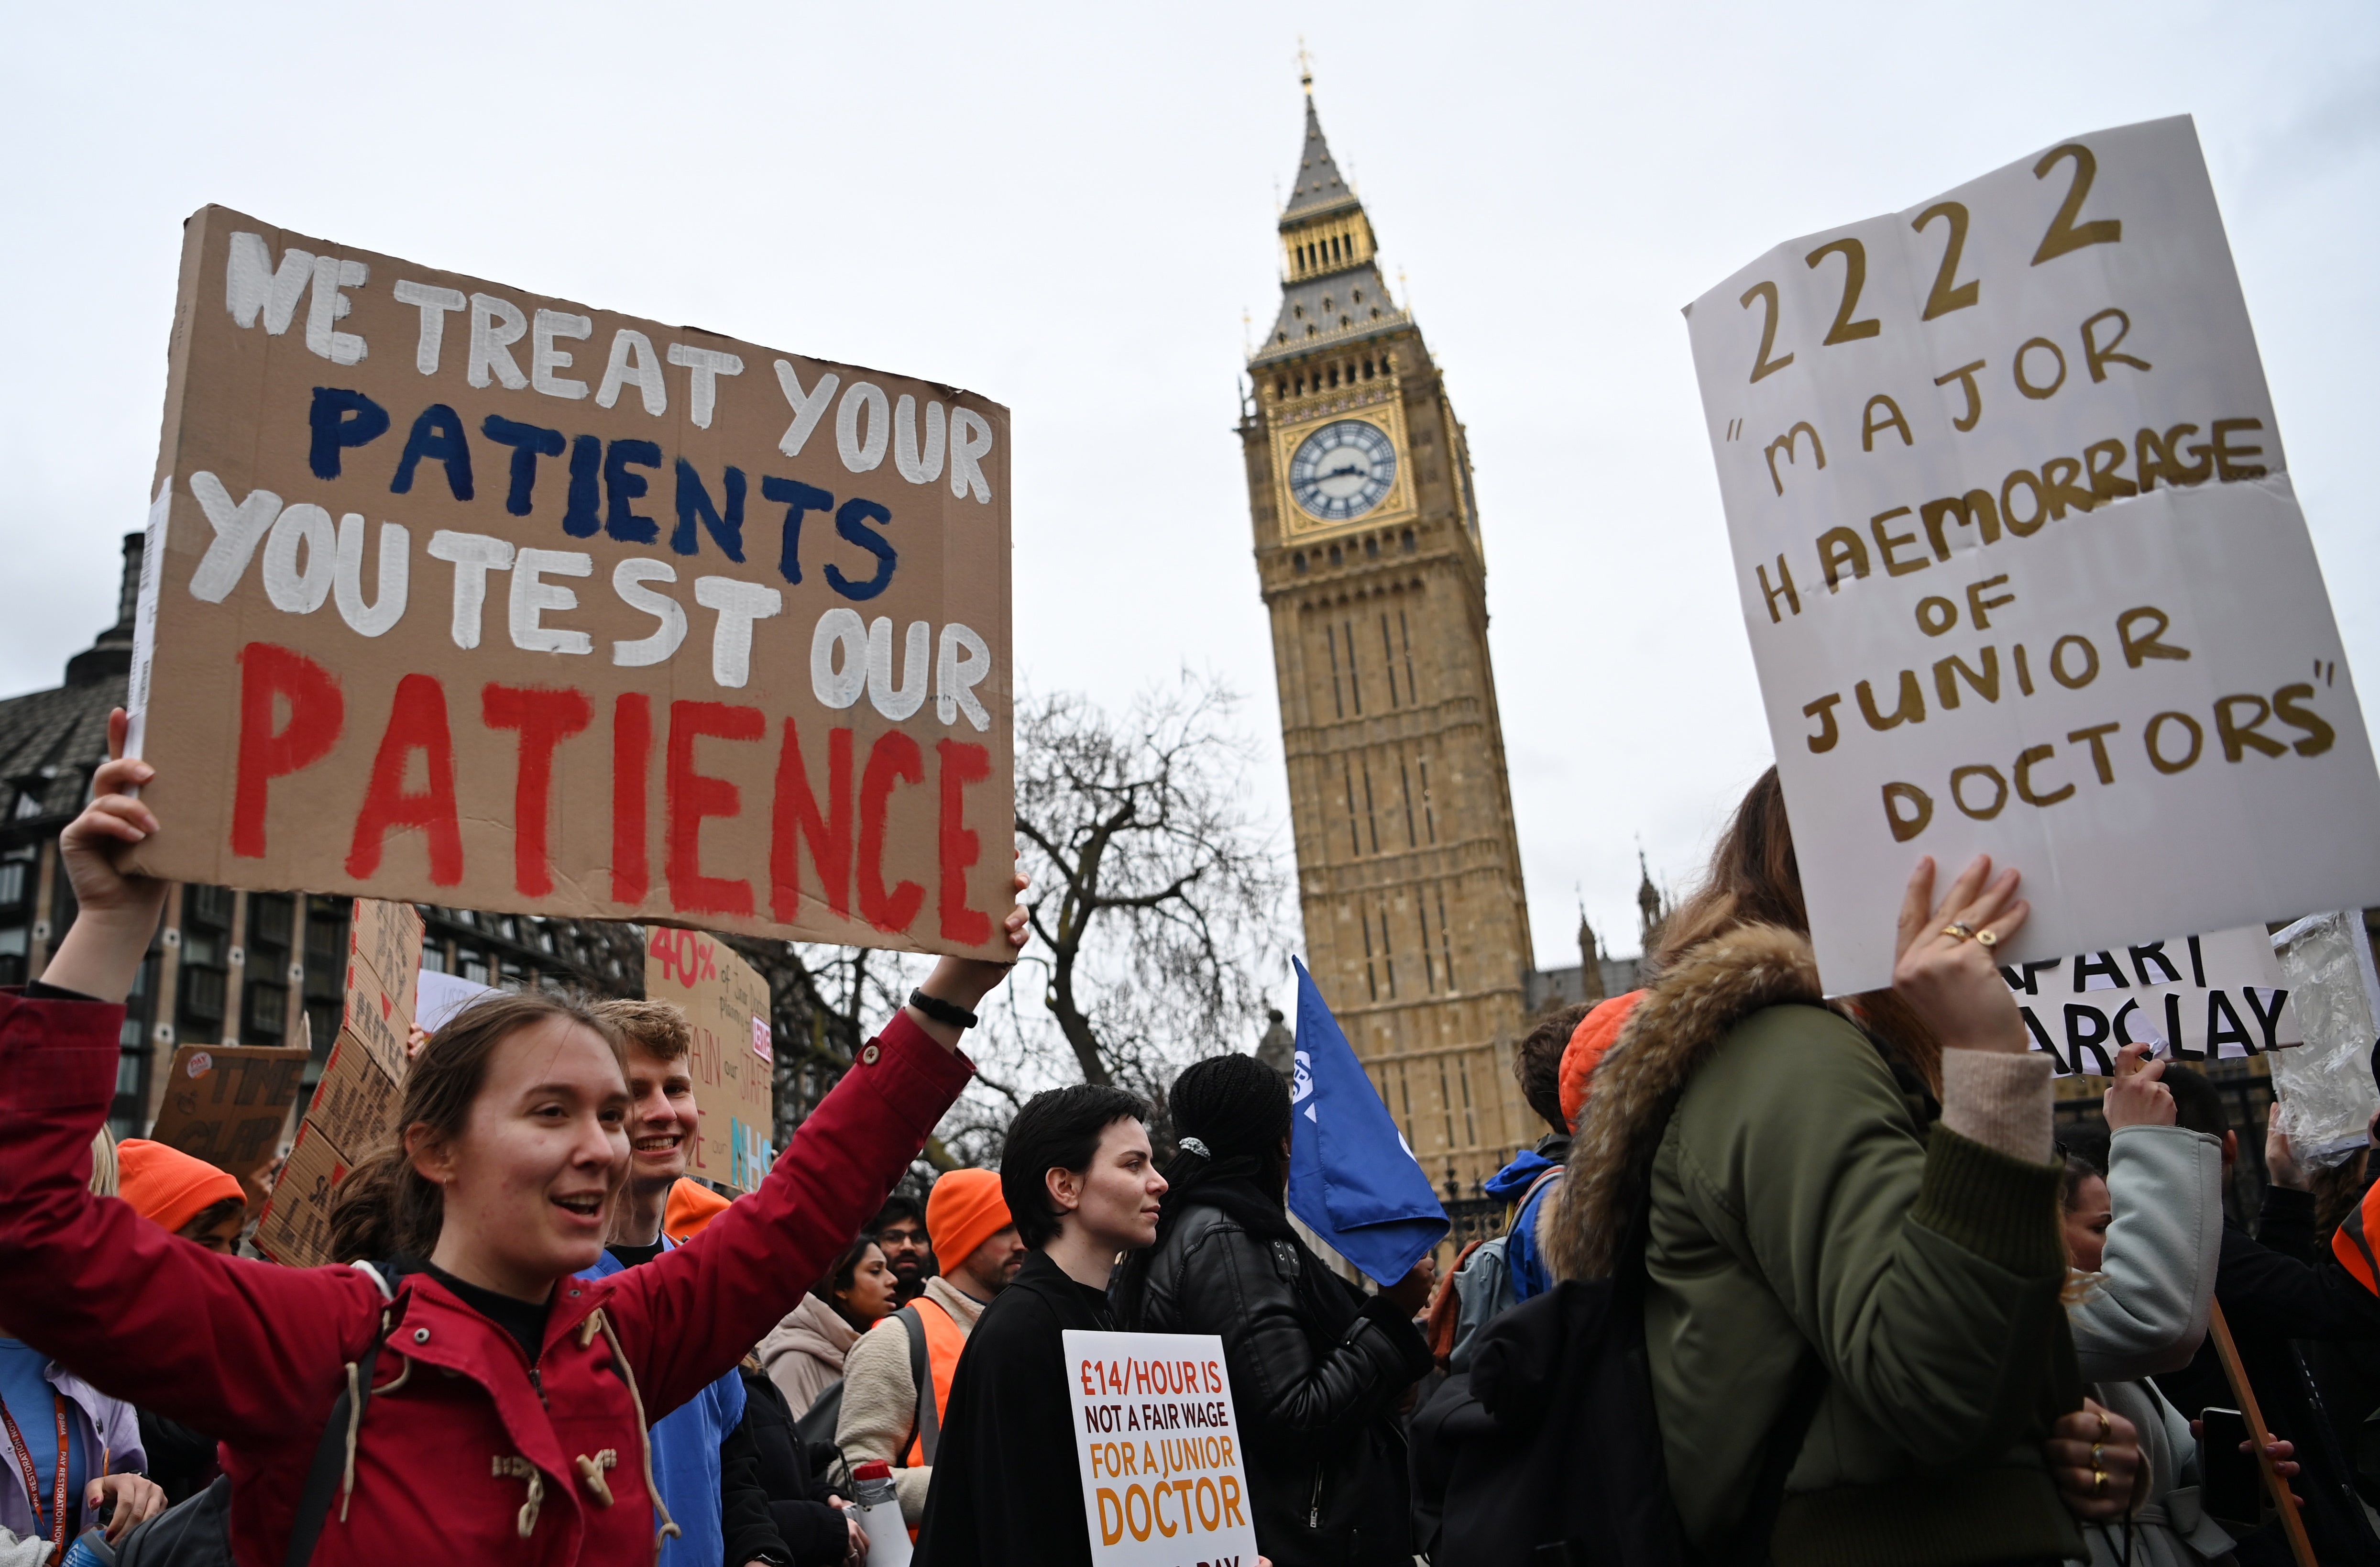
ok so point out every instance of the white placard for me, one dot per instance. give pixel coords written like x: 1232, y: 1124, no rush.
x: 1157, y: 1446
x: 2021, y: 566
x: 444, y: 995
x: 2216, y: 997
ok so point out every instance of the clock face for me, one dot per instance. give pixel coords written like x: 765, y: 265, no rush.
x: 1343, y: 469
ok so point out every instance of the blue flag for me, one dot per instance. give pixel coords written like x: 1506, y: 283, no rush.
x: 1352, y: 1178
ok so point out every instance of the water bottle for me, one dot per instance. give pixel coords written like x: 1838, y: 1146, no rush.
x: 879, y: 1514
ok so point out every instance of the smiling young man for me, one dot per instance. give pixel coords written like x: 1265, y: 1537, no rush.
x: 704, y: 1462
x: 1082, y: 1186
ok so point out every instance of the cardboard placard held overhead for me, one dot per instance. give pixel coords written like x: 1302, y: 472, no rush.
x: 295, y: 1228
x: 2021, y: 565
x: 387, y: 938
x: 1157, y: 1447
x: 461, y: 594
x: 228, y: 1103
x: 2219, y: 996
x: 356, y: 1100
x: 362, y: 1087
x: 726, y: 1005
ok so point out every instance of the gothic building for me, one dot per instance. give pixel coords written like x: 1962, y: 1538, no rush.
x: 1370, y: 558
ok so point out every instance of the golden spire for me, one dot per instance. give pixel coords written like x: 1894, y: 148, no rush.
x: 1304, y: 66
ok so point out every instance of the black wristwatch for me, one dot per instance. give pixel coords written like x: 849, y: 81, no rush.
x: 942, y: 1010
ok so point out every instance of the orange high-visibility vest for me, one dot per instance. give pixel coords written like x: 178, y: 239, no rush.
x: 945, y: 1340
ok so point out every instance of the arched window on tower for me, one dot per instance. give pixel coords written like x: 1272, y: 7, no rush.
x: 1297, y: 563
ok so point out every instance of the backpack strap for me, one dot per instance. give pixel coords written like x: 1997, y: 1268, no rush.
x: 1749, y: 1545
x: 927, y: 1424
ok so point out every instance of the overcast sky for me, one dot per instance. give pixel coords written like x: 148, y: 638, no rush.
x: 1071, y: 208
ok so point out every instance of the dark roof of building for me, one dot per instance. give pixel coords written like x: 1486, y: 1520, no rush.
x: 1321, y: 312
x: 1318, y: 188
x: 51, y: 741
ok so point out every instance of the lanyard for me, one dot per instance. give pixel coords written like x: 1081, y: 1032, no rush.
x: 32, y: 1481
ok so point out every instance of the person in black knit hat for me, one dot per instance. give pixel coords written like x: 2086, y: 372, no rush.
x: 1317, y: 1369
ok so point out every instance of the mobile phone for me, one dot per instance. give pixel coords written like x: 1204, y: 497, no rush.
x: 2233, y: 1489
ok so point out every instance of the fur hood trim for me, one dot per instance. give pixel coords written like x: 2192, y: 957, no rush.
x: 1667, y: 1040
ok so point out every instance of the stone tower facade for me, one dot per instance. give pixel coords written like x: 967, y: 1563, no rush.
x: 1369, y: 552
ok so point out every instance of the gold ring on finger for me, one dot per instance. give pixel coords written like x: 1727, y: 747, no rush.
x: 1958, y: 931
x: 1986, y: 939
x: 2105, y: 1431
x: 2098, y: 1482
x: 2094, y: 1456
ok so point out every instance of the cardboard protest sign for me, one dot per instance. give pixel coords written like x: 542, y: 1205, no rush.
x: 458, y: 593
x: 2021, y: 566
x: 228, y: 1103
x: 356, y: 1100
x: 295, y: 1229
x: 386, y: 936
x: 726, y: 1005
x: 1157, y: 1446
x: 361, y: 1085
x: 2219, y: 996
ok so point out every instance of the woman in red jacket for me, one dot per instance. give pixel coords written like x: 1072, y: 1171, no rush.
x: 510, y: 1400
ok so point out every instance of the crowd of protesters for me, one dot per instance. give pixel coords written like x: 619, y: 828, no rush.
x: 1808, y: 1280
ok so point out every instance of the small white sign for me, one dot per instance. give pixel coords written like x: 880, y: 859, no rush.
x: 2216, y: 997
x: 1157, y: 1447
x: 2023, y: 567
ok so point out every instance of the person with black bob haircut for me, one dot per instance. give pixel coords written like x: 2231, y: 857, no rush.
x: 1317, y: 1370
x: 1082, y: 1183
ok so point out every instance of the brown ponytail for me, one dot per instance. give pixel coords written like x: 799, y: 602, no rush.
x: 384, y: 1208
x: 1756, y: 880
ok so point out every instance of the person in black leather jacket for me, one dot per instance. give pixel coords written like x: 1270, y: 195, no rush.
x: 1317, y: 1369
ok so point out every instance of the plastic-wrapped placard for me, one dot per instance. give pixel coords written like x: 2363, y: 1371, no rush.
x: 2325, y: 1088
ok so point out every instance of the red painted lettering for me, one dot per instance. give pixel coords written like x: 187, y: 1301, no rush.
x: 894, y: 757
x: 269, y: 673
x: 798, y: 817
x: 416, y: 722
x: 632, y: 763
x: 961, y: 764
x: 543, y: 718
x: 690, y: 798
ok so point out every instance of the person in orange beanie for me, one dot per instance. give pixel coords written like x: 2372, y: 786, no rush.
x: 1597, y: 1033
x: 968, y: 1223
x: 691, y: 1206
x: 177, y: 1191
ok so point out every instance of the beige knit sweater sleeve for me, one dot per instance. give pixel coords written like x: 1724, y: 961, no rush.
x: 880, y: 1406
x: 1999, y: 1100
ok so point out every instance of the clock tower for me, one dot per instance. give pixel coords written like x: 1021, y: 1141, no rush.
x: 1369, y: 554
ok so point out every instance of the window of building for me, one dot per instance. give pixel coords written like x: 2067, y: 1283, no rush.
x: 271, y: 926
x: 205, y: 988
x: 18, y: 875
x: 326, y: 969
x: 1297, y: 563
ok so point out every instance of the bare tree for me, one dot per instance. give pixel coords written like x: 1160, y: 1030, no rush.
x: 1155, y: 894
